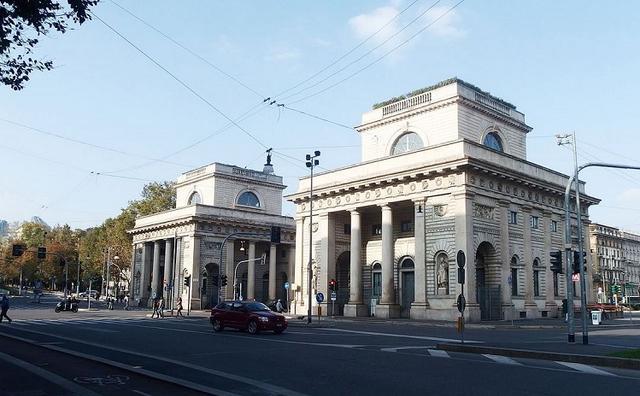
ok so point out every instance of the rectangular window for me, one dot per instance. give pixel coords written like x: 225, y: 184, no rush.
x: 536, y: 283
x: 377, y: 284
x: 513, y: 217
x: 556, y: 293
x: 347, y: 229
x: 376, y: 229
x: 514, y: 281
x: 406, y: 226
x: 554, y: 226
x: 535, y: 222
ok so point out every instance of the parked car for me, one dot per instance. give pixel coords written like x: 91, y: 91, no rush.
x: 246, y: 315
x: 92, y: 293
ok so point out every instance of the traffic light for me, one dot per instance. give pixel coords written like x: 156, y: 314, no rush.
x: 332, y: 285
x: 223, y: 280
x: 42, y: 252
x: 556, y: 262
x: 275, y: 234
x: 17, y: 250
x: 577, y: 262
x: 187, y: 281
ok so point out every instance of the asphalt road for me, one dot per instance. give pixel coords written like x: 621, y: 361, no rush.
x: 345, y: 358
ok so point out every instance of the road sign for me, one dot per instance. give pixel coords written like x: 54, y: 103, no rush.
x: 460, y: 259
x: 319, y: 297
x: 334, y: 296
x: 286, y: 285
x: 462, y: 303
x: 575, y: 277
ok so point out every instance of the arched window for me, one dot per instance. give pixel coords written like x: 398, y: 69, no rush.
x: 248, y: 198
x: 194, y: 198
x: 408, y: 141
x: 376, y: 280
x: 493, y: 141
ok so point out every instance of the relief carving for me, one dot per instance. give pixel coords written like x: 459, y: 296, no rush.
x: 482, y: 211
x: 440, y: 210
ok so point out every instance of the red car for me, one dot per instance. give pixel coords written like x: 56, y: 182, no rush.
x: 247, y: 315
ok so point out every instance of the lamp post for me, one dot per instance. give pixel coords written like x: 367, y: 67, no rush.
x: 109, y: 263
x: 262, y: 259
x: 311, y: 163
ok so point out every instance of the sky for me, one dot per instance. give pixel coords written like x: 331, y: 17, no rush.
x: 80, y: 141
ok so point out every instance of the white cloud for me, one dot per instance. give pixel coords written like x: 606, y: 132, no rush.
x: 282, y: 54
x: 364, y: 25
x: 445, y: 26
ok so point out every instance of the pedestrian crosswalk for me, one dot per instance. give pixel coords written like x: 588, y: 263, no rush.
x: 78, y: 321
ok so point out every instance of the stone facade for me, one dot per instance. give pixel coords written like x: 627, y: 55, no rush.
x: 213, y: 202
x: 616, y: 261
x: 443, y: 171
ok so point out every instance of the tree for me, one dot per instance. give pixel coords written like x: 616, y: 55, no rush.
x: 22, y: 22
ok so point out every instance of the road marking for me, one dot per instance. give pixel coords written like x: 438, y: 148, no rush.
x: 502, y: 359
x: 258, y: 384
x: 438, y: 353
x: 140, y: 392
x: 396, y: 349
x: 402, y: 336
x: 51, y: 377
x: 586, y: 369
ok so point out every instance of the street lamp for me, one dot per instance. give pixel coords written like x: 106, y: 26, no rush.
x: 262, y: 259
x: 311, y: 163
x: 109, y: 263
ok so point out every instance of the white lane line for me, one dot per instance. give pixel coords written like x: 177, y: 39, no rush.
x: 401, y: 336
x: 258, y: 384
x: 502, y: 359
x: 51, y: 377
x: 438, y: 353
x: 586, y: 369
x: 396, y: 349
x: 140, y: 392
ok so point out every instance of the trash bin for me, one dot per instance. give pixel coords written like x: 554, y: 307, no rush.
x: 596, y: 317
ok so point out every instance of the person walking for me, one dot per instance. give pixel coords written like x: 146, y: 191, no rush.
x: 161, y: 308
x: 4, y: 307
x: 155, y: 308
x: 126, y: 302
x: 279, y: 306
x: 179, y: 305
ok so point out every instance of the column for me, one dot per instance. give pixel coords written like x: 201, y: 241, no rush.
x: 388, y: 307
x: 229, y: 266
x: 550, y: 305
x: 507, y: 304
x: 529, y: 305
x: 145, y: 273
x: 464, y: 242
x: 196, y: 303
x: 296, y: 291
x: 155, y: 277
x: 420, y: 303
x: 168, y: 267
x: 251, y: 272
x: 272, y: 271
x: 355, y: 307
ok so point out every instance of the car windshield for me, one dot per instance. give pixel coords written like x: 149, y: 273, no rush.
x: 256, y: 306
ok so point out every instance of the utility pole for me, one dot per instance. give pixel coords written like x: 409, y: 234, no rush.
x: 311, y: 163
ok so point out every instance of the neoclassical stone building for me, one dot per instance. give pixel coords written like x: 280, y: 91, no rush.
x: 443, y: 169
x: 616, y: 260
x: 212, y: 202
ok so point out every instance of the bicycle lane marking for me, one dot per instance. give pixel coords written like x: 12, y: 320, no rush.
x: 51, y: 377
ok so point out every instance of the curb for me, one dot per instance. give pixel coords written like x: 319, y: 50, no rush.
x: 606, y: 361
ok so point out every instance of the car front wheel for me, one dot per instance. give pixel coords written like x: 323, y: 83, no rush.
x: 253, y: 327
x: 217, y: 325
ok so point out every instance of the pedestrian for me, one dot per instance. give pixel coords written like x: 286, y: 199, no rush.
x: 161, y: 308
x: 179, y: 305
x: 126, y: 302
x: 110, y: 303
x: 279, y: 306
x: 155, y: 308
x: 4, y: 307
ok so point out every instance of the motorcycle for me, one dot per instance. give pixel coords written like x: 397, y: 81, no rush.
x: 67, y: 306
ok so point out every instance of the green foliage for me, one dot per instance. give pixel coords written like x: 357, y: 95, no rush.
x: 628, y: 354
x: 22, y: 22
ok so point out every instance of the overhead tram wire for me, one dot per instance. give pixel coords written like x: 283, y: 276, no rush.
x: 180, y: 81
x: 187, y: 49
x: 363, y: 55
x: 89, y: 144
x: 317, y: 117
x: 348, y: 52
x: 380, y: 58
